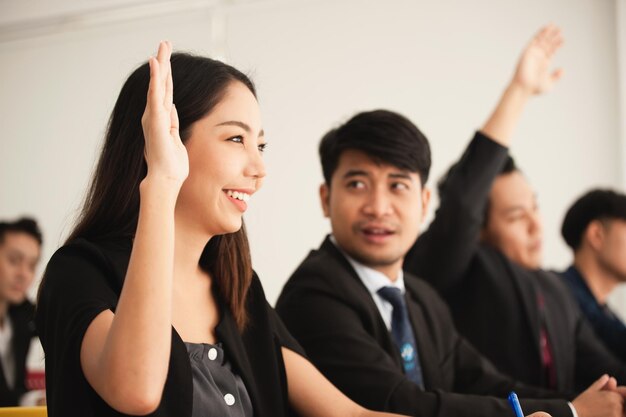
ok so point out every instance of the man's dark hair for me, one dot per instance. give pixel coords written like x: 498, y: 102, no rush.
x: 442, y: 185
x: 23, y: 225
x: 597, y: 204
x: 384, y: 136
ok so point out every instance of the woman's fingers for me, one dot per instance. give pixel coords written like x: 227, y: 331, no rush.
x: 169, y: 88
x: 159, y: 92
x: 174, y: 123
x: 165, y: 54
x: 155, y: 97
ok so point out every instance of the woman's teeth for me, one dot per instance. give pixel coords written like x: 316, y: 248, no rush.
x: 238, y: 195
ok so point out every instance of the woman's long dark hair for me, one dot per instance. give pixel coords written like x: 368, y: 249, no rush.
x: 111, y: 205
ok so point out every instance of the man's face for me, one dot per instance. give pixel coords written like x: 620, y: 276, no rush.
x: 608, y: 240
x: 375, y: 210
x: 513, y: 221
x: 19, y: 254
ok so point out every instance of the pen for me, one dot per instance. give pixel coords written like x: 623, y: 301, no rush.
x: 517, y: 409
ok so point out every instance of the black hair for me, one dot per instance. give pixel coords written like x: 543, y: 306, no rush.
x: 597, y: 204
x: 384, y: 136
x: 23, y: 225
x: 442, y: 185
x: 111, y: 206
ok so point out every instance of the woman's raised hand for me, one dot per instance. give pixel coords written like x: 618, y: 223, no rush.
x: 165, y: 153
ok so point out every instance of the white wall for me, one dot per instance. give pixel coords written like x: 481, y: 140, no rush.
x: 618, y: 297
x: 443, y: 64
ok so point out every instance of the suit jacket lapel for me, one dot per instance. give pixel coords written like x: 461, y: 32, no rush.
x: 427, y: 352
x: 21, y: 330
x: 556, y: 338
x: 527, y: 289
x: 364, y: 298
x: 227, y: 333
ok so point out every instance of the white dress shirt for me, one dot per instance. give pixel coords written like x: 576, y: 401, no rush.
x: 374, y: 281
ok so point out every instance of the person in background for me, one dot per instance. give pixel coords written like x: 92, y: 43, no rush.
x: 20, y: 250
x: 595, y: 229
x: 385, y: 337
x: 483, y: 253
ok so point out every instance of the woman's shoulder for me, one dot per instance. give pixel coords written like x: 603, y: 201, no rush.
x: 256, y: 294
x: 89, y: 260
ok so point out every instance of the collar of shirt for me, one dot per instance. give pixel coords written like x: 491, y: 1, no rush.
x: 374, y: 281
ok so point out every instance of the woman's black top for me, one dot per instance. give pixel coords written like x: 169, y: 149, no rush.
x: 84, y: 278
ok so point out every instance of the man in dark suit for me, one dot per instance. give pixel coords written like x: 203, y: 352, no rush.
x: 594, y: 228
x: 20, y: 248
x: 483, y: 252
x: 385, y: 338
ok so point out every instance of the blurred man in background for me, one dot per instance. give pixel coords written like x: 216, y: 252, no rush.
x: 20, y: 249
x: 595, y: 228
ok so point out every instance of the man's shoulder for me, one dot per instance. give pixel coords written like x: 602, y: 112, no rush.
x: 324, y: 273
x: 321, y: 266
x: 423, y: 293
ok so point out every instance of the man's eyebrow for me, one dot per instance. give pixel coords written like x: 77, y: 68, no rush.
x: 242, y: 125
x: 355, y: 173
x: 403, y: 175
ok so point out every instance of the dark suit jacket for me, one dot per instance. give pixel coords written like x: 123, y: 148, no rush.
x: 21, y: 317
x: 328, y: 309
x: 494, y: 300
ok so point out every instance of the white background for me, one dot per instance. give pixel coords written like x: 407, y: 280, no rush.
x: 441, y: 63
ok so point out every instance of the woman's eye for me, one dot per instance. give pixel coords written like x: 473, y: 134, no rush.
x: 236, y: 139
x: 262, y: 147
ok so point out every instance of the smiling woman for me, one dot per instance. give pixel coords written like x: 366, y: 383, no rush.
x: 151, y: 306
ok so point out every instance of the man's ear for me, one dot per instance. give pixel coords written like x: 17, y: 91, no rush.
x: 426, y: 194
x: 325, y: 199
x: 594, y: 235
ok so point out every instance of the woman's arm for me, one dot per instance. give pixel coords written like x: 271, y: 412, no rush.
x: 312, y: 395
x: 125, y: 355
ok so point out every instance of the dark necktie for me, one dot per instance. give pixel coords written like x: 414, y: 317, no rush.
x: 403, y: 334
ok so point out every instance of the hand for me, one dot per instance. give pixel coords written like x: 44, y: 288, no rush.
x: 533, y: 68
x: 165, y: 153
x: 601, y: 399
x: 539, y: 414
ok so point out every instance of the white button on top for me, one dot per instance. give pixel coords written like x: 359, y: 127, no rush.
x: 212, y: 354
x: 230, y: 399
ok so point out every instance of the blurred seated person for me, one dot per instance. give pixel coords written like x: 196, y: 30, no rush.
x: 20, y: 249
x: 595, y: 228
x: 483, y: 254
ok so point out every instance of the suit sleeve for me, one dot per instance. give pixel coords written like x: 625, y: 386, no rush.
x: 443, y: 253
x: 593, y: 358
x: 335, y: 339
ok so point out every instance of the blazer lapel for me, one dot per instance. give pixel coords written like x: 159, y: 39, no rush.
x: 227, y: 333
x: 429, y: 360
x: 527, y: 289
x: 365, y: 299
x: 20, y: 342
x: 556, y: 337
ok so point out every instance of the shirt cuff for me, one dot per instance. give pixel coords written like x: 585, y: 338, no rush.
x: 571, y: 406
